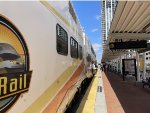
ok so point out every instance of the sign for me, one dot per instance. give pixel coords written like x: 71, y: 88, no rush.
x: 14, y: 83
x: 129, y: 67
x: 128, y: 45
x: 15, y: 75
x: 141, y: 63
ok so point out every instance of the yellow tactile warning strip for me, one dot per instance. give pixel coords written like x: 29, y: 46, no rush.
x: 113, y: 104
x: 88, y: 102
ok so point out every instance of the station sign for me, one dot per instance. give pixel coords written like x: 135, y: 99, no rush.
x: 128, y: 44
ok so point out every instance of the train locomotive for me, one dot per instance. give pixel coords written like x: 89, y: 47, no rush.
x: 44, y: 55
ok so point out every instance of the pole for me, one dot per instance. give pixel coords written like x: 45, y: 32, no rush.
x: 144, y: 71
x: 138, y: 74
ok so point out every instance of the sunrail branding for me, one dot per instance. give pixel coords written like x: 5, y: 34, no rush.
x: 12, y: 84
x: 14, y: 65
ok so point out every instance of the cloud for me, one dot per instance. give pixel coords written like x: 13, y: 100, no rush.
x: 94, y: 30
x: 97, y: 17
x: 96, y: 47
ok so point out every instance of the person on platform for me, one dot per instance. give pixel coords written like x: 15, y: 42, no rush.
x: 93, y: 68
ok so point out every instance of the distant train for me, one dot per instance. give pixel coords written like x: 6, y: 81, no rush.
x: 44, y: 55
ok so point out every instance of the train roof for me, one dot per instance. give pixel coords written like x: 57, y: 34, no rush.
x: 66, y: 12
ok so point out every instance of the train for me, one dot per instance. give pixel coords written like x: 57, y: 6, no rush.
x: 44, y: 56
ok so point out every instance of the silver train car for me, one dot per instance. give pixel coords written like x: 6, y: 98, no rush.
x: 44, y: 55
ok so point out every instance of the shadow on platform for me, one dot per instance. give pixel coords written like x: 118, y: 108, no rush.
x: 133, y: 98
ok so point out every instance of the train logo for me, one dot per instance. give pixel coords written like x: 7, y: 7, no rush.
x: 14, y: 65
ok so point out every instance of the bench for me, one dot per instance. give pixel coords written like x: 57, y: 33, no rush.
x: 146, y: 82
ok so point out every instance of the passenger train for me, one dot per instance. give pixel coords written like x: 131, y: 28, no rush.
x: 44, y: 55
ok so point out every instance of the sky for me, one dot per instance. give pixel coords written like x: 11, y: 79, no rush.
x: 88, y: 13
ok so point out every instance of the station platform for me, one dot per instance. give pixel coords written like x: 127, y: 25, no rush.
x: 108, y: 93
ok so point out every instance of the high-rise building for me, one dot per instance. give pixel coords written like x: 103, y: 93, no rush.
x: 107, y: 11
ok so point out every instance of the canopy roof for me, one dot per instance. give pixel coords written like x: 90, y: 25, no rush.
x: 131, y: 21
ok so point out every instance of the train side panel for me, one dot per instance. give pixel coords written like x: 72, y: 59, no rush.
x: 51, y: 70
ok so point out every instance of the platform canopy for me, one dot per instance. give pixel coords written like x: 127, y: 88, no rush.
x: 131, y: 22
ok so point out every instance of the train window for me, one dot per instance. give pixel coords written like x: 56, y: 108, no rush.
x: 62, y: 40
x: 88, y: 58
x: 73, y: 48
x: 80, y: 52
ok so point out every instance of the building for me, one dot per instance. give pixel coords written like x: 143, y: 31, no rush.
x: 107, y: 12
